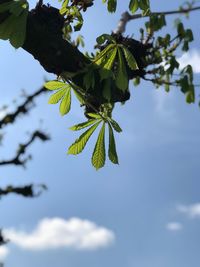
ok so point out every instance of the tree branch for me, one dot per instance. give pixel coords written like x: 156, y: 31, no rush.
x: 22, y: 109
x: 126, y: 17
x: 25, y: 191
x: 22, y: 150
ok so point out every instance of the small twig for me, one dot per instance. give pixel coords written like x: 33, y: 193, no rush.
x: 22, y: 150
x: 21, y: 109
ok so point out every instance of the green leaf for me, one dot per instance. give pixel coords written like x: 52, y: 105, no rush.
x: 130, y: 59
x: 121, y: 77
x: 54, y: 85
x: 14, y: 26
x: 190, y: 95
x: 101, y: 56
x: 104, y: 37
x: 112, y: 5
x: 115, y: 126
x: 99, y: 155
x: 112, y: 153
x: 18, y: 35
x: 65, y: 104
x: 107, y: 89
x: 79, y: 96
x: 133, y: 6
x: 110, y: 59
x: 56, y: 97
x: 83, y: 125
x: 144, y: 4
x: 94, y: 115
x: 78, y: 146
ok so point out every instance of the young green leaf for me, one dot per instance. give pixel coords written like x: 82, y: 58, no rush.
x: 83, y: 125
x: 112, y: 5
x: 78, y: 146
x: 65, y: 103
x: 121, y: 77
x: 104, y: 37
x: 112, y: 153
x: 99, y: 155
x: 56, y: 97
x: 133, y: 6
x: 115, y: 126
x: 94, y: 115
x: 101, y: 56
x: 130, y: 59
x: 110, y: 59
x: 54, y: 85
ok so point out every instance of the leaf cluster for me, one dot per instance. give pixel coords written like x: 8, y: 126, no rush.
x: 13, y: 17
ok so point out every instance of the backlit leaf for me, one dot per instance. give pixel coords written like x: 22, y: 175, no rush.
x: 65, y: 104
x: 83, y: 125
x: 130, y: 59
x: 121, y: 76
x: 78, y: 146
x: 54, y: 85
x: 56, y: 97
x: 112, y: 153
x: 99, y: 155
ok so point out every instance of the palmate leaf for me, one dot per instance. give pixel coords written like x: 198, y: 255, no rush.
x: 63, y: 94
x: 130, y: 59
x: 80, y: 143
x: 99, y: 155
x: 121, y: 76
x: 112, y: 153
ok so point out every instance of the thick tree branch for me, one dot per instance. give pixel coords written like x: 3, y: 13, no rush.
x: 22, y: 109
x: 17, y: 160
x: 126, y: 17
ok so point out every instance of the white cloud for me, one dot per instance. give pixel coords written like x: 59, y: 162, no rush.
x: 192, y: 58
x: 174, y: 226
x: 3, y: 252
x: 193, y: 211
x: 56, y: 233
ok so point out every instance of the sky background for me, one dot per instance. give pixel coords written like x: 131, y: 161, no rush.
x: 144, y: 212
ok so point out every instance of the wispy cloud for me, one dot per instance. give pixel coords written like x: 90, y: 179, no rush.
x: 55, y: 233
x: 3, y: 252
x: 164, y: 105
x: 192, y: 58
x: 174, y: 226
x: 192, y: 211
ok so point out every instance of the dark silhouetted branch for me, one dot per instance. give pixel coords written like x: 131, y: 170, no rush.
x: 16, y: 160
x: 25, y: 191
x: 22, y: 109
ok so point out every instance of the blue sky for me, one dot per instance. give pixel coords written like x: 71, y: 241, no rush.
x: 144, y: 212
